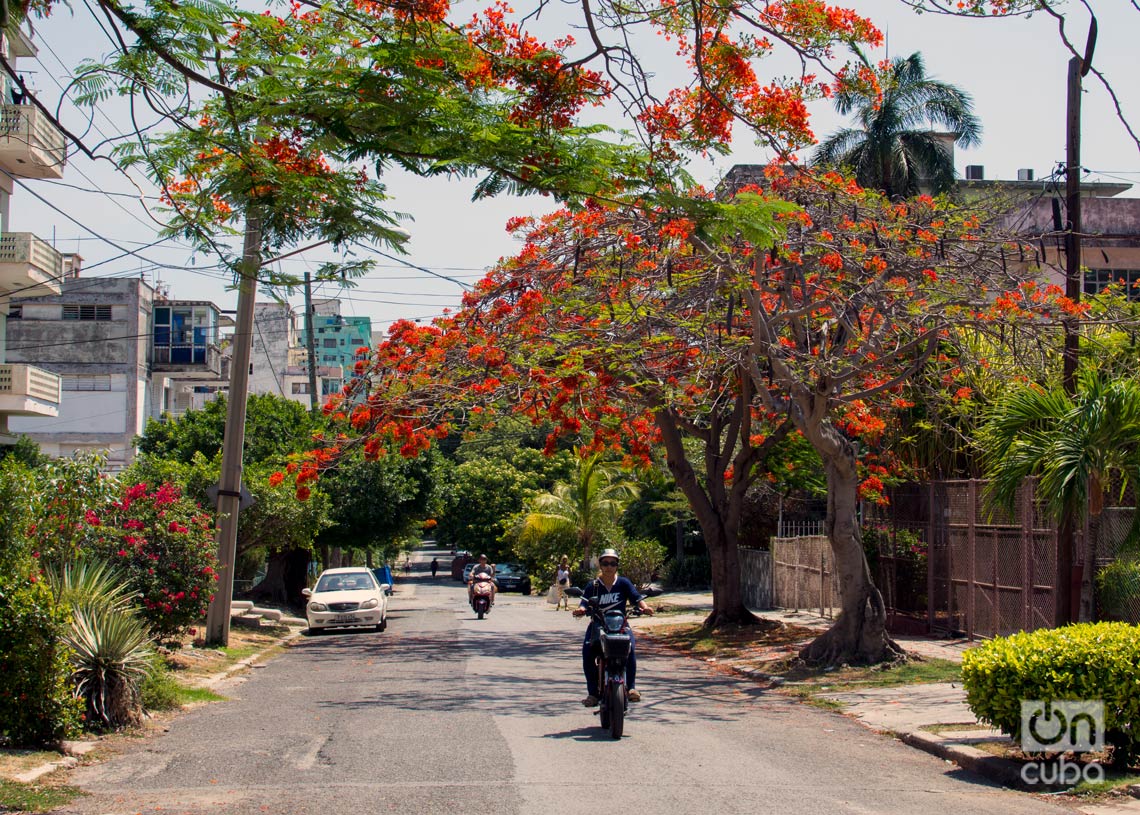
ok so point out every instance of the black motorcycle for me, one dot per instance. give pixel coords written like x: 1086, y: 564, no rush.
x: 613, y: 647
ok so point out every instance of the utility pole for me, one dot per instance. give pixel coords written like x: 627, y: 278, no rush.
x: 1068, y: 579
x: 229, y: 486
x: 311, y: 344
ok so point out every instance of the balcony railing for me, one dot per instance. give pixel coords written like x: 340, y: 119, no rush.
x: 29, y: 266
x: 30, y: 144
x: 28, y: 390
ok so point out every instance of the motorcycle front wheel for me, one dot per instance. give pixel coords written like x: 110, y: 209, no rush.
x: 616, y: 705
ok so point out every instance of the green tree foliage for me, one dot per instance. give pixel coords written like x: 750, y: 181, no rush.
x: 377, y: 504
x: 592, y: 500
x: 25, y: 451
x: 37, y: 702
x: 1077, y: 446
x: 477, y: 499
x: 893, y: 147
x: 274, y: 428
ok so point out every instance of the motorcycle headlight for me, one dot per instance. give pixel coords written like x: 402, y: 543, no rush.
x: 613, y: 621
x: 318, y: 607
x: 370, y: 603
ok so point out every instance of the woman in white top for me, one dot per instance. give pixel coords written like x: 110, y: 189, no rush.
x: 562, y: 578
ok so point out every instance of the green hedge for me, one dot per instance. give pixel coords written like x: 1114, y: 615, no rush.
x: 1094, y: 661
x: 37, y: 702
x: 691, y: 572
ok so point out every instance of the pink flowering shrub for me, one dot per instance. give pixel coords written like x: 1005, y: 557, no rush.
x: 165, y: 544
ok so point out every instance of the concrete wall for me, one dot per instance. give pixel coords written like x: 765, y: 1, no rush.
x: 274, y: 333
x: 88, y: 353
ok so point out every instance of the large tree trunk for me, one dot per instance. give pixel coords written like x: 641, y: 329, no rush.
x: 728, y: 597
x: 859, y: 635
x: 286, y: 574
x: 719, y: 518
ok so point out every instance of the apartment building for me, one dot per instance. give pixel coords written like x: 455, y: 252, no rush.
x: 31, y: 147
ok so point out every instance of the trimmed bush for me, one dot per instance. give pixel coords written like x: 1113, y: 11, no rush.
x: 640, y: 560
x: 1095, y: 661
x: 690, y: 572
x: 1118, y: 591
x: 37, y: 702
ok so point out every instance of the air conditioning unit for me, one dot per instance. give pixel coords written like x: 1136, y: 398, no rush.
x: 975, y: 172
x: 1025, y: 174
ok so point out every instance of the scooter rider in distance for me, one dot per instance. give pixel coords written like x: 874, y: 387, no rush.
x: 608, y: 588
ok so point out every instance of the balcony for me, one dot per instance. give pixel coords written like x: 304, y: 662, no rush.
x: 29, y: 267
x: 182, y: 356
x: 26, y: 390
x: 31, y: 146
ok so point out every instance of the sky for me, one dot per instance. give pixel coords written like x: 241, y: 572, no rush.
x: 1015, y: 69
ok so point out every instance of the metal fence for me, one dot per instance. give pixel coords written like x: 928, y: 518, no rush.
x: 989, y: 572
x: 803, y: 575
x: 1116, y: 565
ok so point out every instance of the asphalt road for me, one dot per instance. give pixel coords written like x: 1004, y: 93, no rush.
x: 443, y: 713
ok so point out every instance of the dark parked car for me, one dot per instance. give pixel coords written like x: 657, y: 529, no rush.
x: 512, y: 577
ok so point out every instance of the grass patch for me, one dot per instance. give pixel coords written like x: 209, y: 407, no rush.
x: 772, y: 649
x: 14, y: 762
x: 17, y: 797
x: 195, y: 661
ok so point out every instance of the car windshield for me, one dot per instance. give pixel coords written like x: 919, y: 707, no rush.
x: 507, y: 570
x: 348, y: 581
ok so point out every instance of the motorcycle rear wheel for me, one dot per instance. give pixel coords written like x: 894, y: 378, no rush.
x: 617, y: 709
x: 479, y: 615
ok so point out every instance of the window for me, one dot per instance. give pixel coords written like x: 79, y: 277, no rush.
x: 101, y: 313
x: 15, y: 312
x: 329, y: 343
x: 1127, y: 281
x: 182, y: 334
x: 97, y: 382
x: 300, y: 387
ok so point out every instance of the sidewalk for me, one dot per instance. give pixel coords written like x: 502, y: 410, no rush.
x: 930, y: 717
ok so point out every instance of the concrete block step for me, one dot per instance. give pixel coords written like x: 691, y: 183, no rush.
x: 268, y: 613
x: 294, y: 621
x: 246, y: 621
x: 240, y: 606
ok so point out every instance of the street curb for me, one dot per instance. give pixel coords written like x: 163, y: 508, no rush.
x: 211, y: 682
x: 1003, y: 770
x: 68, y: 761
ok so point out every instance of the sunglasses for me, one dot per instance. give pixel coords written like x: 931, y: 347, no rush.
x: 613, y: 563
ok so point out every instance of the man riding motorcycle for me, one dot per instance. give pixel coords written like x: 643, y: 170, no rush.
x: 482, y: 567
x: 609, y: 589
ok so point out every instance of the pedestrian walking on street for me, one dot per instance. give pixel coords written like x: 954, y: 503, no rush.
x: 562, y: 580
x: 434, y: 567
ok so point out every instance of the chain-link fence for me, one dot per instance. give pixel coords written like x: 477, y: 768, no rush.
x: 1116, y: 555
x: 988, y: 572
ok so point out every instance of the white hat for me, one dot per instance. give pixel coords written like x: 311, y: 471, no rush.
x: 612, y: 553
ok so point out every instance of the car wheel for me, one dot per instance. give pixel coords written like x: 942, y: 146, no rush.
x: 526, y: 589
x: 382, y: 624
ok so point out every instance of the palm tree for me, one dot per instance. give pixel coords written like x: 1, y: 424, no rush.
x: 1077, y: 446
x: 893, y: 148
x: 594, y: 499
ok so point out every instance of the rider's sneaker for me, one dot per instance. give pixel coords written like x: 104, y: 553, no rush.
x: 590, y: 701
x: 634, y: 695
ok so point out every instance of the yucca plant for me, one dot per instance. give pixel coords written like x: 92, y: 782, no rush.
x: 111, y: 657
x: 111, y: 647
x: 89, y: 583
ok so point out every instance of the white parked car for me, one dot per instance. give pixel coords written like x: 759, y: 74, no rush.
x: 347, y: 597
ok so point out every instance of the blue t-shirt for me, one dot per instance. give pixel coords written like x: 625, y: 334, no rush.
x: 623, y: 591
